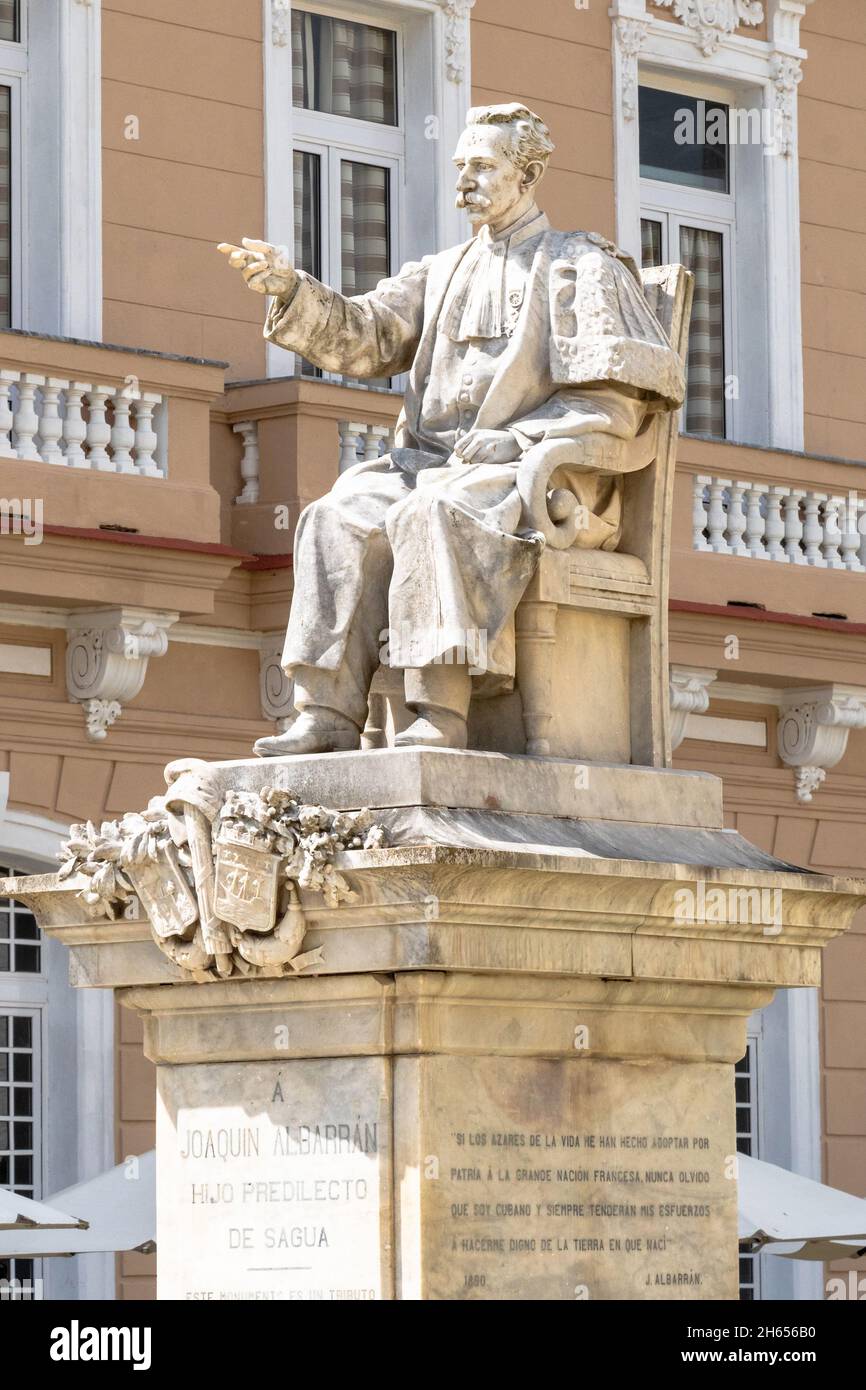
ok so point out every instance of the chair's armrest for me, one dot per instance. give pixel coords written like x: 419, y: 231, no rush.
x: 554, y: 513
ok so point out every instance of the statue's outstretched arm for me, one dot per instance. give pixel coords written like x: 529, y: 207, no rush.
x: 370, y: 335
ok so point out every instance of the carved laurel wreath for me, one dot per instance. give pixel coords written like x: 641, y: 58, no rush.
x: 218, y: 873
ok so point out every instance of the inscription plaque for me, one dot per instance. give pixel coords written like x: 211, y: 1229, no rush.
x: 274, y: 1180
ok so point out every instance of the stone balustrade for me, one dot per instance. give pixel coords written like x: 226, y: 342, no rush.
x: 362, y: 442
x: 790, y: 525
x: 83, y: 424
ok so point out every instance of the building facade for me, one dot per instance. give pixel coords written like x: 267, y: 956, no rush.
x: 149, y: 491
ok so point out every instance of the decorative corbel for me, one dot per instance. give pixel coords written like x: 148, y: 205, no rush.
x: 813, y: 728
x: 689, y: 694
x: 277, y: 690
x: 787, y: 74
x: 456, y: 32
x: 281, y: 22
x: 106, y: 659
x: 630, y: 35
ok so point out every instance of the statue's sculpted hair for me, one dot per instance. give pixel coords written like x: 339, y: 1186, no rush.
x: 530, y: 143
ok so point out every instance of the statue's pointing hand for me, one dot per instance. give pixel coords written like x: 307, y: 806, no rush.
x: 266, y: 268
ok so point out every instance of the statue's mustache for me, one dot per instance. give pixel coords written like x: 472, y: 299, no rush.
x: 473, y: 200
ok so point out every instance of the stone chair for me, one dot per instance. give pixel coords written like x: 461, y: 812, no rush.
x: 591, y: 629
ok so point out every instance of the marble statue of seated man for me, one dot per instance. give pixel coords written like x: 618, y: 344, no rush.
x: 520, y: 335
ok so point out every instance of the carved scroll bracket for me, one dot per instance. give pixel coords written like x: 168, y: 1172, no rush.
x: 106, y: 659
x: 812, y: 733
x: 689, y: 694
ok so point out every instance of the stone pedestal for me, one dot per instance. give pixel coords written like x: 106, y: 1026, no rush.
x: 446, y: 1136
x: 507, y: 1072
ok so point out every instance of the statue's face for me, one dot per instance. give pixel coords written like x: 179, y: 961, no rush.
x: 489, y: 183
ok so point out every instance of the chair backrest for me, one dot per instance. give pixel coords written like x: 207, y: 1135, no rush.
x: 648, y: 494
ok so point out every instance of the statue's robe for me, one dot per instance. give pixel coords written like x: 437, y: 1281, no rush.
x: 547, y: 334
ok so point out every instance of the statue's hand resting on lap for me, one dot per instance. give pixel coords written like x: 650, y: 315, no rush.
x: 265, y: 268
x: 488, y: 446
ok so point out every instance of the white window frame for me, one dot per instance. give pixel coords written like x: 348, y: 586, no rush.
x: 87, y: 1107
x: 31, y: 1005
x: 434, y: 93
x: 56, y: 186
x: 14, y: 66
x: 750, y: 71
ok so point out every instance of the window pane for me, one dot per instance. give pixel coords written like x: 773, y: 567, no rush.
x: 343, y: 68
x: 5, y: 208
x: 308, y: 224
x: 650, y: 243
x: 23, y: 1100
x: 683, y: 139
x: 9, y: 20
x: 365, y: 241
x: 701, y: 253
x: 22, y: 1031
x: 27, y: 959
x: 308, y: 213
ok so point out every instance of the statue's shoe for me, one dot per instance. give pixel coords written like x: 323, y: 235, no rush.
x: 319, y: 732
x: 437, y: 729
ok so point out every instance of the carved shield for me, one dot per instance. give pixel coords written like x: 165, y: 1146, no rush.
x: 165, y: 894
x: 247, y: 887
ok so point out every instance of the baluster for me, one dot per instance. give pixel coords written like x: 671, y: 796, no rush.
x: 122, y: 434
x: 717, y: 518
x: 391, y: 440
x: 350, y: 433
x: 850, y: 533
x: 75, y: 425
x: 373, y: 442
x: 699, y: 512
x: 736, y: 520
x: 146, y: 437
x: 832, y: 535
x: 249, y: 432
x: 50, y: 423
x: 26, y: 419
x: 6, y: 416
x: 755, y: 522
x: 774, y: 529
x: 861, y: 528
x: 98, y: 428
x: 812, y: 532
x: 793, y: 528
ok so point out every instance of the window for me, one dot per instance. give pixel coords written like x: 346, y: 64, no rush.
x: 349, y: 151
x: 745, y: 1082
x: 20, y: 949
x: 20, y: 1108
x: 688, y: 215
x: 13, y: 62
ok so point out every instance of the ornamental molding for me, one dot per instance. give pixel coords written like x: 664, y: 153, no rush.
x: 689, y: 694
x: 107, y: 652
x: 281, y: 23
x: 786, y: 74
x: 813, y: 728
x: 712, y: 20
x: 218, y: 873
x: 456, y: 13
x: 275, y: 687
x: 630, y: 37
